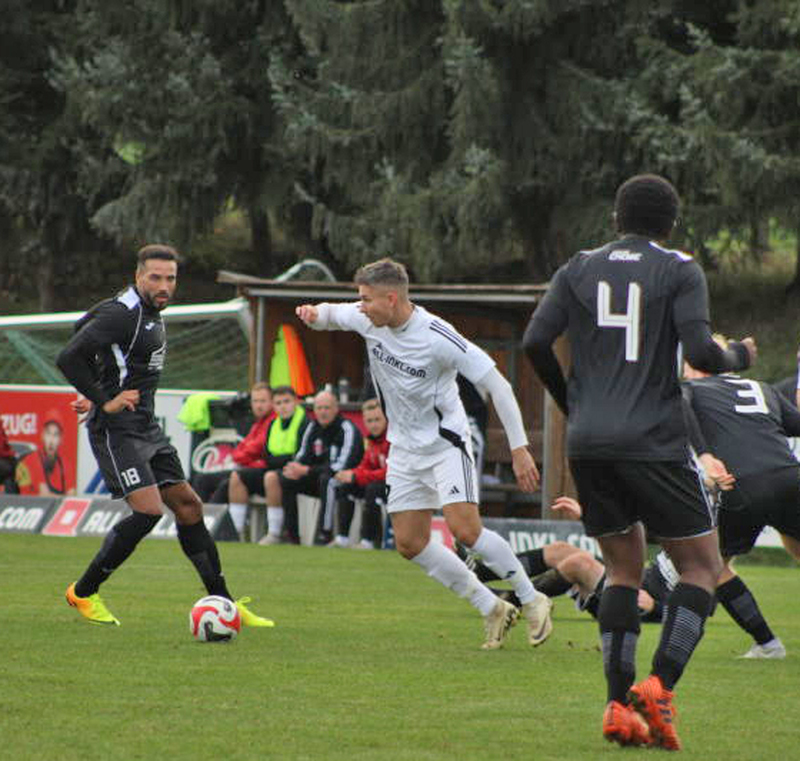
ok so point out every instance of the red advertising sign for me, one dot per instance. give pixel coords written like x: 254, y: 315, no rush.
x: 67, y: 517
x: 42, y: 429
x: 440, y: 532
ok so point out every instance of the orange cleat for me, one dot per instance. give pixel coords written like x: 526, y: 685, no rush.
x: 621, y: 724
x: 654, y: 703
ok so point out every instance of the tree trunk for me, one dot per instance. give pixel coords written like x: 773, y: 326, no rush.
x: 794, y: 286
x: 260, y: 237
x: 46, y: 277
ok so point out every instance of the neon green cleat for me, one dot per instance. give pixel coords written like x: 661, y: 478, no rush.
x: 248, y: 617
x: 91, y: 608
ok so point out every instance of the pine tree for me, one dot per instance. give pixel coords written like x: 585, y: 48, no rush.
x: 182, y: 90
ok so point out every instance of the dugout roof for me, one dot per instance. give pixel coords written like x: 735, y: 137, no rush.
x: 492, y: 315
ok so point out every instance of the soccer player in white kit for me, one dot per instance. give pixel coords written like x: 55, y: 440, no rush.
x: 414, y: 358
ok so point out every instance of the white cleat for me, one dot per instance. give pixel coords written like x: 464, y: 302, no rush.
x: 540, y: 623
x: 268, y: 540
x: 497, y: 624
x: 773, y: 650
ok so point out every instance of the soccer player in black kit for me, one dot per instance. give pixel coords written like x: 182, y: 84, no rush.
x: 114, y: 360
x: 744, y: 423
x: 625, y: 307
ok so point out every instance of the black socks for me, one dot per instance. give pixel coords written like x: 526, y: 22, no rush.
x: 200, y: 548
x: 738, y: 600
x: 618, y: 617
x: 687, y: 608
x: 119, y: 543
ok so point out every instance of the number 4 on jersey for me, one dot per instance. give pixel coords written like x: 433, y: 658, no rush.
x: 628, y: 320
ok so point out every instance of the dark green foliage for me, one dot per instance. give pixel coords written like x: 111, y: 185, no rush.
x: 473, y: 139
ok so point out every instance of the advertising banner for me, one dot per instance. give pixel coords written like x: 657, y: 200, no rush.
x: 103, y: 514
x: 43, y: 431
x: 66, y: 517
x: 530, y: 534
x: 24, y: 515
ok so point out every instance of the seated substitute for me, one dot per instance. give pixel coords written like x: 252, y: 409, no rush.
x: 283, y: 440
x: 248, y: 457
x: 367, y: 480
x: 330, y: 443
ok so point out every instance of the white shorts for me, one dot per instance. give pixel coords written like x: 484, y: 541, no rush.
x: 428, y: 482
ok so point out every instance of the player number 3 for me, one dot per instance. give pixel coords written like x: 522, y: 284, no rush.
x: 627, y: 320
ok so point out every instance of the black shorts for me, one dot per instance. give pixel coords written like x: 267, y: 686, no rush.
x: 667, y: 497
x: 253, y: 479
x: 765, y: 499
x: 131, y: 459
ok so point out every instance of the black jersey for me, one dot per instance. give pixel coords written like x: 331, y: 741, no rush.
x: 119, y: 344
x: 743, y: 422
x: 625, y: 307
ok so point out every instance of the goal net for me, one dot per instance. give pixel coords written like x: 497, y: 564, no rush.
x: 207, y: 347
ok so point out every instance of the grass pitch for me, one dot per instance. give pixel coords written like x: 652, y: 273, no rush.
x: 370, y: 660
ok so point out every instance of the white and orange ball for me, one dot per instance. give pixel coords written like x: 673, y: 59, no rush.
x: 214, y: 619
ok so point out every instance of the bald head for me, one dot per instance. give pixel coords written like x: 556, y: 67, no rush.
x: 326, y: 407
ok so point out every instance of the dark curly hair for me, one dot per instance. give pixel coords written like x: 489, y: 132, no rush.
x: 647, y: 205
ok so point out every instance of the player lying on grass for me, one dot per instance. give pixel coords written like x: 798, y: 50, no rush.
x: 561, y: 568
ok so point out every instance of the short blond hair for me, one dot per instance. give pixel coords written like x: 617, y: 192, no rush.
x: 385, y: 272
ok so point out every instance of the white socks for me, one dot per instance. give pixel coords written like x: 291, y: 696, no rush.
x: 274, y: 520
x: 496, y: 553
x: 449, y: 570
x: 238, y: 511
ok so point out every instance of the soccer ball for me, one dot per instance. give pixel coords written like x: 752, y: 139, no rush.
x: 214, y: 619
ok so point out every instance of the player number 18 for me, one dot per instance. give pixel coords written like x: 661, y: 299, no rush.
x: 628, y: 320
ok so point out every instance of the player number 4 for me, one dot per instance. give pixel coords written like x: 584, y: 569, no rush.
x: 628, y: 320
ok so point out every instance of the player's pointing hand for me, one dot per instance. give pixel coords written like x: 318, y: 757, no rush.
x: 307, y: 313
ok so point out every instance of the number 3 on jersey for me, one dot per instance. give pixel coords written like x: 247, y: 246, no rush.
x: 628, y: 320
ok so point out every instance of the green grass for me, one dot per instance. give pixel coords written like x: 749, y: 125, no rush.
x: 370, y: 660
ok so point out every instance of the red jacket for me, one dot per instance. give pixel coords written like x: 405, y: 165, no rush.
x: 6, y: 452
x: 373, y: 464
x: 249, y: 452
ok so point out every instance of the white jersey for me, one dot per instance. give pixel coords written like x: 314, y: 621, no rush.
x: 414, y: 370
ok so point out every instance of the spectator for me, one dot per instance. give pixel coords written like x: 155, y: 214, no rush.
x: 330, y: 443
x: 283, y: 439
x: 8, y: 464
x: 248, y: 457
x: 367, y: 480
